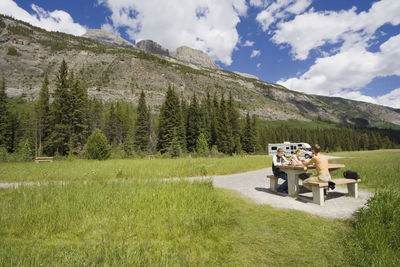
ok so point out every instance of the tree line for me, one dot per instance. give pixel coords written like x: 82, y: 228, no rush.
x: 210, y: 124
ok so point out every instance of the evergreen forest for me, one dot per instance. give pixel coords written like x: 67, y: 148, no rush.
x: 60, y: 124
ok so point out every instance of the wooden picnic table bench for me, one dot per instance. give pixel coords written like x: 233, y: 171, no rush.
x: 318, y: 189
x: 44, y: 159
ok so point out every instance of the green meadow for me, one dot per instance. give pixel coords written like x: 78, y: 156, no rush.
x: 86, y: 170
x: 141, y: 221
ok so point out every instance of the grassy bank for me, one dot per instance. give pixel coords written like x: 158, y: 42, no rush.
x: 152, y: 223
x: 80, y: 170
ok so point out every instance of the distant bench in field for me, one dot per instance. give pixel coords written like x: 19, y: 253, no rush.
x: 43, y: 159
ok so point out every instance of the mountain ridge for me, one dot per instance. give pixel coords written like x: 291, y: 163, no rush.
x: 112, y: 73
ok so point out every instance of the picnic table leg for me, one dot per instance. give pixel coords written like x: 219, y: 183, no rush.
x: 292, y: 183
x: 273, y: 184
x: 353, y: 190
x: 318, y: 195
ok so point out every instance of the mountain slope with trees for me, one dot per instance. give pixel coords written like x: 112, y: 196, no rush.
x: 114, y: 73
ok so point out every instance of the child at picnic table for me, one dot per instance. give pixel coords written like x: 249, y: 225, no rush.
x: 295, y: 158
x: 321, y: 164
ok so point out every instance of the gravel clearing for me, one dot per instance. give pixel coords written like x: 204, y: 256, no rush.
x: 255, y: 186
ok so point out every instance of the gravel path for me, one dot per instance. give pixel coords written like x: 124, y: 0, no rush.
x: 255, y: 185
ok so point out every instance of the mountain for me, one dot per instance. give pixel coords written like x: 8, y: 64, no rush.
x: 107, y: 38
x: 194, y: 56
x: 114, y: 72
x: 150, y: 46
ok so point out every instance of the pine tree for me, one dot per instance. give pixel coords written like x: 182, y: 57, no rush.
x: 96, y: 120
x: 247, y: 137
x: 224, y: 130
x: 79, y: 116
x: 254, y: 133
x: 111, y: 126
x: 193, y: 124
x: 43, y: 117
x: 213, y: 111
x: 5, y: 119
x: 142, y: 125
x: 171, y: 123
x: 233, y: 116
x: 61, y: 113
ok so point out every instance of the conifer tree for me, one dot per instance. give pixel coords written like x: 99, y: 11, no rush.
x: 96, y: 120
x: 111, y: 125
x: 193, y: 124
x: 61, y: 113
x: 224, y: 130
x: 213, y: 108
x: 142, y: 125
x: 171, y: 123
x: 5, y: 119
x: 42, y: 109
x: 79, y: 115
x: 254, y: 133
x: 247, y: 137
x: 233, y: 116
x: 205, y: 126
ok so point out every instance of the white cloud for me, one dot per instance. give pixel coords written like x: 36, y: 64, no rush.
x: 259, y: 65
x: 174, y: 23
x: 346, y: 72
x: 248, y: 43
x: 391, y: 99
x: 281, y: 9
x: 315, y: 29
x: 57, y: 20
x: 255, y: 53
x: 347, y: 64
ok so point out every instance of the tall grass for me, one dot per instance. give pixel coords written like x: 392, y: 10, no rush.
x: 139, y: 223
x: 375, y: 239
x: 78, y: 170
x: 153, y: 223
x: 378, y: 169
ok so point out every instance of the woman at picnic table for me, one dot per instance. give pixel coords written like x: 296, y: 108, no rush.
x: 321, y: 164
x: 295, y: 158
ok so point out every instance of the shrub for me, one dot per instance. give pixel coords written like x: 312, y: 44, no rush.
x: 97, y: 146
x: 376, y: 240
x: 202, y: 145
x: 12, y: 51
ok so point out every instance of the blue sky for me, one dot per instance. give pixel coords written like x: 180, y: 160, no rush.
x: 346, y: 48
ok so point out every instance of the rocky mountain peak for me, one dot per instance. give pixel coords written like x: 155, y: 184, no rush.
x: 194, y: 56
x: 152, y: 47
x: 107, y: 38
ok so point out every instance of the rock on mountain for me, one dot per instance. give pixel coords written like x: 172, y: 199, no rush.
x: 152, y: 47
x: 107, y: 38
x: 194, y: 56
x: 246, y: 75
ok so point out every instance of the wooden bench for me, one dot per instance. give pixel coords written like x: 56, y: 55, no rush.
x: 318, y: 189
x: 43, y: 159
x: 273, y: 182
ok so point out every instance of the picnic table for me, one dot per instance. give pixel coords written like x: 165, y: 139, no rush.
x: 293, y: 172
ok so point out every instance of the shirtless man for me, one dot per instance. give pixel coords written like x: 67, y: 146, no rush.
x: 321, y: 164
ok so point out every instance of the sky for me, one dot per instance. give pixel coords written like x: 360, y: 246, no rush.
x: 344, y: 48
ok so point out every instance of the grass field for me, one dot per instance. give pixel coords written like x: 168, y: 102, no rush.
x: 142, y: 222
x: 80, y: 170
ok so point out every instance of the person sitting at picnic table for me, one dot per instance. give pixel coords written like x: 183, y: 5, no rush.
x: 295, y: 158
x: 280, y: 160
x: 321, y: 165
